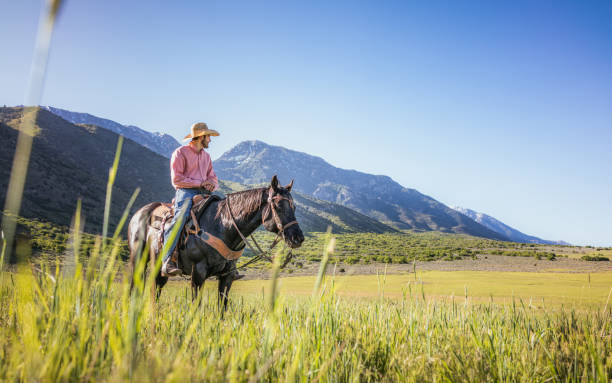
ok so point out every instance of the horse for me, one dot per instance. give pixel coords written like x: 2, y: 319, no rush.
x: 231, y: 220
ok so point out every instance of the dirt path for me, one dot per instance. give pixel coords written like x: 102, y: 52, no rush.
x: 482, y: 263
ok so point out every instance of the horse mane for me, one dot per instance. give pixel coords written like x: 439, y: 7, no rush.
x: 242, y: 204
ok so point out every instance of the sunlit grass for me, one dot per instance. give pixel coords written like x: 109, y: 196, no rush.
x: 86, y: 327
x: 540, y: 288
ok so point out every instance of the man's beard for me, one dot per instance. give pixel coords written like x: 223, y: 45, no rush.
x: 204, y: 144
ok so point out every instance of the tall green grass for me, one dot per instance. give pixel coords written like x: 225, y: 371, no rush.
x: 83, y: 323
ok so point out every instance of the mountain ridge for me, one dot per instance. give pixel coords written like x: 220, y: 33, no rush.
x: 377, y: 196
x: 160, y: 143
x: 500, y: 227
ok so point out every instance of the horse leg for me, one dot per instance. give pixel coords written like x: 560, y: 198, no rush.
x: 198, y: 275
x: 225, y: 283
x: 195, y: 290
x: 194, y: 286
x: 160, y: 282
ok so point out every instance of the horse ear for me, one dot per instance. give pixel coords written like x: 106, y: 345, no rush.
x: 288, y: 187
x: 274, y: 183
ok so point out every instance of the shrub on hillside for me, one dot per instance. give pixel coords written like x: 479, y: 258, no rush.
x: 594, y: 258
x: 351, y: 260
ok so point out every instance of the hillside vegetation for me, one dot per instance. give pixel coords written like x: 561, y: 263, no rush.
x: 351, y: 248
x: 406, y: 247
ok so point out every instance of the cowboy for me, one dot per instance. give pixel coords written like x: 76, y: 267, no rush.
x: 191, y: 173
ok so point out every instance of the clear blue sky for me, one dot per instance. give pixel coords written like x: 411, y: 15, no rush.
x: 501, y: 107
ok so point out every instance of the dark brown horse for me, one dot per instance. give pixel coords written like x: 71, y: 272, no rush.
x: 246, y: 210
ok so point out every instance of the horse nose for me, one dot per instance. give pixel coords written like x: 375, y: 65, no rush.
x: 295, y: 239
x: 298, y: 239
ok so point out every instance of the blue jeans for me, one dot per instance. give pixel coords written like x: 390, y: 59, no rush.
x: 182, y: 204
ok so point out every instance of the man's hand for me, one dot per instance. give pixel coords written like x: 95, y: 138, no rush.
x: 208, y: 186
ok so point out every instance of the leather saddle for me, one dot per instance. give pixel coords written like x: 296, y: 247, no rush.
x: 163, y: 214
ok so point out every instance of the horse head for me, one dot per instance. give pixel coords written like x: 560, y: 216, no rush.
x: 279, y: 214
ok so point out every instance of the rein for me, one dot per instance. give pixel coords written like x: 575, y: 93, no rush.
x: 273, y: 203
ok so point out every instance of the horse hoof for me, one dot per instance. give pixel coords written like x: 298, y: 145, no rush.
x: 238, y: 276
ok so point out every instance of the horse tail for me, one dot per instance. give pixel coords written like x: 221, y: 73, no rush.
x: 137, y: 234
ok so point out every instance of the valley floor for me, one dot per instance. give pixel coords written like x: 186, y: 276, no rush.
x: 499, y: 263
x: 537, y: 290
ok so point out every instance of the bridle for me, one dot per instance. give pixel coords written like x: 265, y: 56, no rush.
x: 272, y: 205
x: 273, y: 202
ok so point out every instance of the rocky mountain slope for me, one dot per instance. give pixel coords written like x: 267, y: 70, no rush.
x: 160, y: 143
x: 502, y: 228
x: 377, y: 196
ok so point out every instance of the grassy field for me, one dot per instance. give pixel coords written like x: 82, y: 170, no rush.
x: 80, y: 322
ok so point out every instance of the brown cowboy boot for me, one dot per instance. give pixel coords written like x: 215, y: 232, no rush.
x: 170, y: 268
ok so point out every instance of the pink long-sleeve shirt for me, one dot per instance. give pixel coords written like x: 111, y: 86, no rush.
x: 189, y: 168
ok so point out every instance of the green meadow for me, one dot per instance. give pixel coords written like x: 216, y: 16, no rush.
x: 74, y: 318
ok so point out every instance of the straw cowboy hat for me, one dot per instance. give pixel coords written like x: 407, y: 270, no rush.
x: 200, y: 129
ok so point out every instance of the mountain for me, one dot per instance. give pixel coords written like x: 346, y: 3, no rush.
x: 502, y: 228
x: 71, y: 161
x: 160, y: 143
x: 316, y: 215
x: 377, y: 196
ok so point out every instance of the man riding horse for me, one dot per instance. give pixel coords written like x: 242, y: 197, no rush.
x: 191, y: 174
x: 218, y: 232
